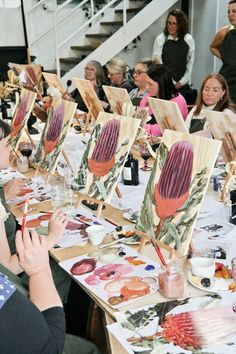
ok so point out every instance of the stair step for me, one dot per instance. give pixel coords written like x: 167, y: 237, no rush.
x: 71, y: 60
x: 112, y: 23
x: 98, y: 35
x: 54, y: 71
x: 130, y: 10
x: 84, y: 48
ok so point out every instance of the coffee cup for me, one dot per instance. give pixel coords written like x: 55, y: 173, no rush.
x: 96, y: 234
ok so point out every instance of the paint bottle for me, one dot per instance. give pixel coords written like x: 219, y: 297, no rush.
x: 171, y: 281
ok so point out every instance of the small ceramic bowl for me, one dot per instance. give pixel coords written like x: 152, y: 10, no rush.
x: 203, y: 267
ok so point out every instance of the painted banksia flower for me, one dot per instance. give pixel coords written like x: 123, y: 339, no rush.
x: 20, y: 114
x: 30, y: 76
x: 54, y: 129
x: 172, y: 189
x: 103, y: 156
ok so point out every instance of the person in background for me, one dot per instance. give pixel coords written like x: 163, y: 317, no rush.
x: 223, y: 46
x: 160, y: 85
x: 213, y: 96
x: 140, y: 80
x: 175, y: 48
x: 57, y: 225
x: 93, y: 72
x: 116, y: 72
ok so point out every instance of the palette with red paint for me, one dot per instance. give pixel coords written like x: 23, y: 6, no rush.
x: 117, y: 275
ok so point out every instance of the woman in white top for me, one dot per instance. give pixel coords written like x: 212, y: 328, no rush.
x: 213, y: 96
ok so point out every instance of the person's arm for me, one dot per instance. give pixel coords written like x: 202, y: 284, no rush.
x: 186, y: 78
x: 34, y: 259
x: 214, y: 46
x: 158, y: 47
x: 13, y: 187
x: 9, y: 261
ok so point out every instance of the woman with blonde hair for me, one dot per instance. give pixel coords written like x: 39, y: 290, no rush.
x: 213, y: 96
x: 116, y: 72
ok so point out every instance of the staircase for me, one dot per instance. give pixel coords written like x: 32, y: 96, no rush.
x: 108, y: 38
x: 87, y: 30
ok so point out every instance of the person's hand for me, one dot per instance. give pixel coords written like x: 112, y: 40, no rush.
x: 178, y: 85
x: 56, y: 226
x: 32, y: 252
x: 12, y: 188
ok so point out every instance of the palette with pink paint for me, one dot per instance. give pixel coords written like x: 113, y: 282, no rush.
x: 117, y: 275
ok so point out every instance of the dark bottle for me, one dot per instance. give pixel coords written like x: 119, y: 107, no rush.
x: 130, y: 171
x: 4, y: 109
x: 233, y: 207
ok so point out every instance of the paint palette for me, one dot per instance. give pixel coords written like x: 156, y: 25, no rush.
x: 117, y: 275
x: 127, y: 235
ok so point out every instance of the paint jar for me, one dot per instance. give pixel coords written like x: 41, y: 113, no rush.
x: 22, y: 164
x: 233, y: 264
x: 171, y: 281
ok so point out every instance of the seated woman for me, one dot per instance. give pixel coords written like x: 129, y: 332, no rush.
x: 116, y: 72
x: 34, y: 324
x: 95, y: 74
x: 213, y: 96
x: 160, y: 85
x: 57, y: 225
x: 140, y: 80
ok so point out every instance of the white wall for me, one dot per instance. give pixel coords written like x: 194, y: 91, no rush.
x: 11, y: 27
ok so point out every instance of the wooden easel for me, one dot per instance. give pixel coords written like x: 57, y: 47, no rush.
x: 92, y: 112
x: 229, y: 145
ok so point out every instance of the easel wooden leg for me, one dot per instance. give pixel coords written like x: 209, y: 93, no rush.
x: 118, y: 192
x: 86, y: 123
x: 67, y: 160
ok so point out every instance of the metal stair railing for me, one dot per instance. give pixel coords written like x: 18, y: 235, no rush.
x: 86, y: 24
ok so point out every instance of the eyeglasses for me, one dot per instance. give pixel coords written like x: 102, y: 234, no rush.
x: 112, y: 74
x: 139, y: 72
x: 89, y: 69
x: 171, y: 23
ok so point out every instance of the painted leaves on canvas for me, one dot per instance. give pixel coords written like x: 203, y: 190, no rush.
x: 105, y: 155
x: 60, y: 115
x: 22, y: 112
x: 176, y: 187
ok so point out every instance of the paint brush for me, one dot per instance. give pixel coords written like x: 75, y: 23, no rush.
x: 160, y: 255
x: 24, y: 215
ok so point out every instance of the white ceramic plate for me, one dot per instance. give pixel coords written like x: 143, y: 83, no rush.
x: 217, y: 284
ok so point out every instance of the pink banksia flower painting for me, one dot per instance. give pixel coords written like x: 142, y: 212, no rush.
x: 20, y: 114
x: 30, y: 76
x: 172, y: 189
x: 103, y: 156
x: 54, y: 129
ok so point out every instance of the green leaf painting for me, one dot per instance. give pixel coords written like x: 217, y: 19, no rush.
x: 105, y: 155
x: 176, y: 187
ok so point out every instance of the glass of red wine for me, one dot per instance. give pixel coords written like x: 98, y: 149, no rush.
x: 145, y: 154
x: 26, y: 148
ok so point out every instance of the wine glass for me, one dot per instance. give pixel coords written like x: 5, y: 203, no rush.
x: 145, y: 154
x: 26, y: 148
x: 58, y: 193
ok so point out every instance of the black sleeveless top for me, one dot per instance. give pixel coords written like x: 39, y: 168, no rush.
x: 174, y: 57
x: 228, y: 55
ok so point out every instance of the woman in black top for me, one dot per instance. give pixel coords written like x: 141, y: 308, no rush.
x: 223, y: 46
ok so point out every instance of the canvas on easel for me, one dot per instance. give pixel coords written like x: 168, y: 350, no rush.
x: 89, y: 97
x: 21, y: 114
x: 59, y: 119
x: 117, y: 98
x: 28, y: 74
x: 105, y: 156
x: 167, y: 115
x: 53, y: 81
x: 176, y: 187
x: 223, y: 127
